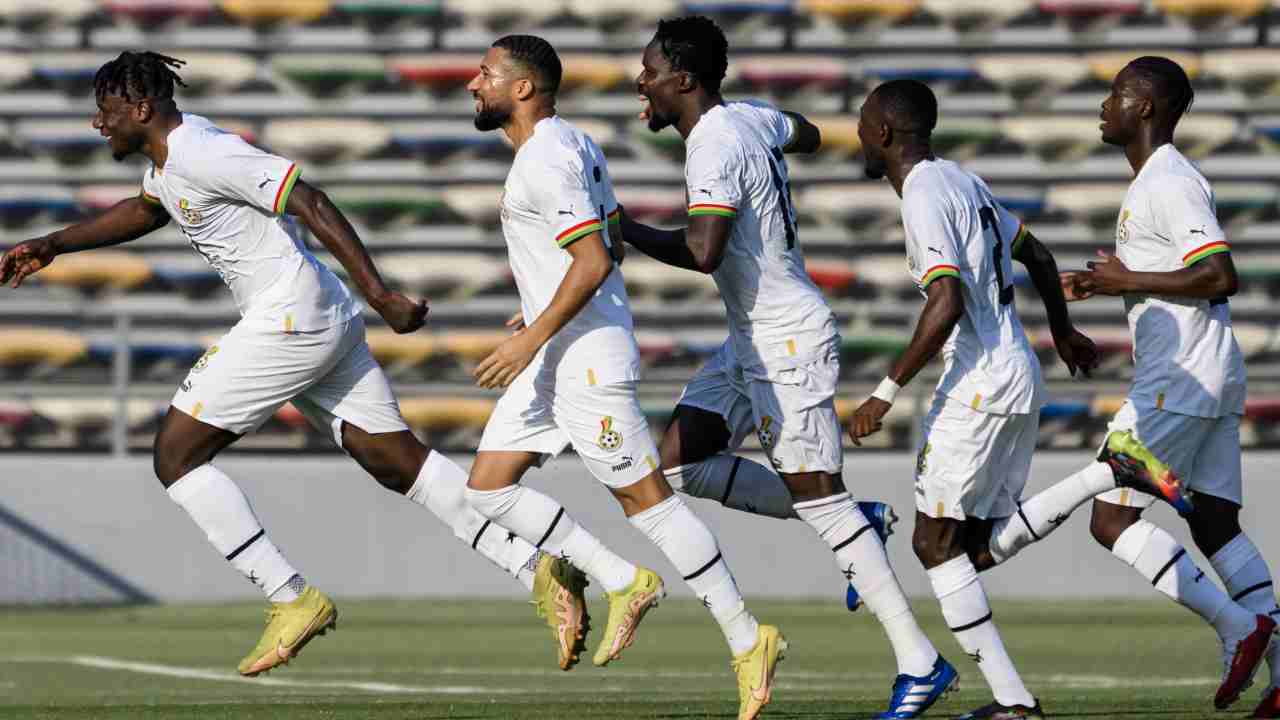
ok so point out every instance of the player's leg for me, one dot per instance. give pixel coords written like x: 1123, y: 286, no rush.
x: 611, y: 435
x: 355, y: 406
x: 711, y: 418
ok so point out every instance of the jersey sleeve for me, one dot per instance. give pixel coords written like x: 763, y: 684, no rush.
x: 933, y: 239
x: 714, y: 185
x: 562, y: 194
x: 240, y: 171
x: 1010, y: 227
x: 1184, y: 212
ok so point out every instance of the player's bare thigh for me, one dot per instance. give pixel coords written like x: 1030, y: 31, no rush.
x: 937, y: 540
x: 183, y: 444
x: 693, y: 435
x: 392, y: 458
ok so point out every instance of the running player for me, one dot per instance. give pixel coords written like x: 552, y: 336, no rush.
x: 776, y: 373
x: 570, y: 374
x: 300, y: 338
x: 981, y: 430
x: 1173, y: 268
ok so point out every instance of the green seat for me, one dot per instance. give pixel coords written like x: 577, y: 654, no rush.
x: 386, y: 206
x: 327, y: 73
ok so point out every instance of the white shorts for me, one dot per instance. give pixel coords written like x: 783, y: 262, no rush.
x: 1204, y: 452
x: 330, y: 375
x: 972, y: 464
x: 603, y: 423
x: 791, y: 410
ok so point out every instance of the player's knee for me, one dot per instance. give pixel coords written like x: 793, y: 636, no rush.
x: 1107, y: 527
x: 928, y: 550
x: 170, y: 463
x: 1213, y: 526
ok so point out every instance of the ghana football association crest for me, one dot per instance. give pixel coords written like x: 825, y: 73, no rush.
x: 608, y: 439
x: 203, y: 362
x: 765, y: 432
x: 1122, y: 228
x: 190, y: 214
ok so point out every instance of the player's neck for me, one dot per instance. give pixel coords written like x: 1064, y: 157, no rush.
x: 701, y: 106
x: 1144, y: 146
x: 900, y: 167
x: 521, y: 126
x: 156, y: 147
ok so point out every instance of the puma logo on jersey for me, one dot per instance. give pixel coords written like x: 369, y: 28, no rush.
x: 935, y: 250
x: 704, y: 192
x: 264, y: 183
x: 1201, y: 231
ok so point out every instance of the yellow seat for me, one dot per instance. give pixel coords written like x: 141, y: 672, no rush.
x: 268, y: 11
x: 861, y: 10
x: 404, y: 350
x: 472, y: 346
x: 592, y: 71
x: 115, y: 269
x: 1212, y: 9
x: 839, y: 133
x: 446, y: 413
x: 1104, y: 406
x: 1106, y: 65
x: 29, y: 346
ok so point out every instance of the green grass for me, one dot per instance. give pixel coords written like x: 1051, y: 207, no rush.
x: 492, y: 659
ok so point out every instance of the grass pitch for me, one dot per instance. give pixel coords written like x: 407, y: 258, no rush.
x: 493, y: 659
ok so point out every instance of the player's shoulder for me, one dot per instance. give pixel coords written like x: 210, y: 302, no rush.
x: 205, y: 145
x: 1173, y: 174
x: 555, y: 146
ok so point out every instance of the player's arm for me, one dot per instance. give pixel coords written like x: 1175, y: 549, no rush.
x: 943, y: 308
x: 590, y: 266
x: 318, y: 213
x: 1075, y: 349
x: 1211, y: 277
x: 127, y: 220
x: 699, y: 247
x: 805, y: 137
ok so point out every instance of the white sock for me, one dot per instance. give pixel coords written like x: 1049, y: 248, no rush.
x: 965, y: 608
x: 544, y: 523
x: 734, y: 482
x: 441, y: 487
x: 1041, y: 514
x: 222, y: 511
x: 1245, y: 573
x: 690, y: 546
x: 861, y: 557
x: 1161, y: 560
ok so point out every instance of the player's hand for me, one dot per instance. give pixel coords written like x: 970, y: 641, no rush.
x: 1108, y: 276
x: 866, y: 419
x: 1077, y: 351
x: 515, y: 323
x: 1076, y: 285
x: 24, y: 260
x: 506, y: 362
x: 401, y: 313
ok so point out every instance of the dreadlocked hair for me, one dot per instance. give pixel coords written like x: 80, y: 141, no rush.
x: 139, y: 75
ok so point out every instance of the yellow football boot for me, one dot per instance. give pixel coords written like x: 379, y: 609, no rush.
x: 557, y: 595
x: 290, y: 626
x: 627, y: 608
x: 755, y: 670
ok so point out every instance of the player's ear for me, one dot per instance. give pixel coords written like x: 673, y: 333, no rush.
x: 687, y: 81
x: 143, y: 111
x: 524, y: 89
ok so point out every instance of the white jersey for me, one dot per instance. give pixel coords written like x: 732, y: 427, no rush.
x: 557, y: 192
x: 1186, y: 357
x: 228, y: 198
x: 734, y: 167
x: 956, y: 228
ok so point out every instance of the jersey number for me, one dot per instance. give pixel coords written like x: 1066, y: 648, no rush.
x: 783, y: 186
x: 989, y: 222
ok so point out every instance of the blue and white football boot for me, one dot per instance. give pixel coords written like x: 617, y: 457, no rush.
x: 882, y: 517
x: 912, y: 696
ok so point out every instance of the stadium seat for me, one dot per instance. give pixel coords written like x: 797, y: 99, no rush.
x: 327, y: 74
x: 594, y: 72
x: 71, y: 72
x: 785, y: 74
x: 479, y: 204
x: 839, y: 134
x: 446, y: 413
x: 932, y: 68
x: 1095, y: 203
x: 88, y: 414
x: 852, y: 204
x: 886, y: 275
x: 70, y: 141
x: 24, y: 204
x: 264, y: 12
x: 857, y: 12
x: 647, y: 277
x: 835, y: 278
x: 151, y: 13
x: 1086, y: 11
x: 387, y: 207
x: 666, y: 145
x: 1210, y: 12
x: 614, y: 13
x: 101, y: 269
x: 382, y: 13
x: 441, y: 140
x: 439, y: 73
x: 186, y: 273
x: 15, y: 415
x: 15, y: 68
x: 96, y: 198
x: 961, y: 137
x: 1199, y: 134
x: 397, y: 351
x: 869, y: 354
x: 471, y: 346
x: 1106, y: 65
x: 654, y: 204
x: 325, y: 140
x: 1059, y: 138
x: 439, y: 275
x: 1242, y: 203
x: 1029, y: 76
x: 970, y: 14
x: 45, y: 12
x: 505, y: 13
x: 1255, y: 70
x: 42, y: 348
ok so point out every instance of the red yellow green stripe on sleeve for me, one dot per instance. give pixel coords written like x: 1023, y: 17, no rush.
x: 615, y: 217
x: 286, y: 187
x: 1017, y: 239
x: 579, y: 231
x: 713, y: 209
x: 938, y: 271
x: 1204, y: 251
x: 150, y: 198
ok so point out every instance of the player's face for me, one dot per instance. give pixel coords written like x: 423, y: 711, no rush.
x: 659, y: 88
x: 872, y: 152
x: 1121, y: 111
x: 115, y: 121
x: 491, y: 88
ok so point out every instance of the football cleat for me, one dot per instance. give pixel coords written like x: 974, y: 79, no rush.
x: 1270, y: 705
x: 290, y: 626
x: 913, y: 695
x: 1241, y: 660
x: 1136, y: 467
x: 557, y: 596
x: 882, y: 518
x: 627, y: 608
x: 996, y: 711
x: 755, y: 669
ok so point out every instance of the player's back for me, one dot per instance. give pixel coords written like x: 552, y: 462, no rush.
x: 735, y: 167
x: 955, y: 227
x: 558, y: 192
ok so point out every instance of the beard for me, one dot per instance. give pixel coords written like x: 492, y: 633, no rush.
x: 119, y: 154
x: 658, y: 121
x: 491, y: 118
x: 873, y: 170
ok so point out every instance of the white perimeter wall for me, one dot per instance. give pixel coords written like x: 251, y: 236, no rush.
x: 354, y: 539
